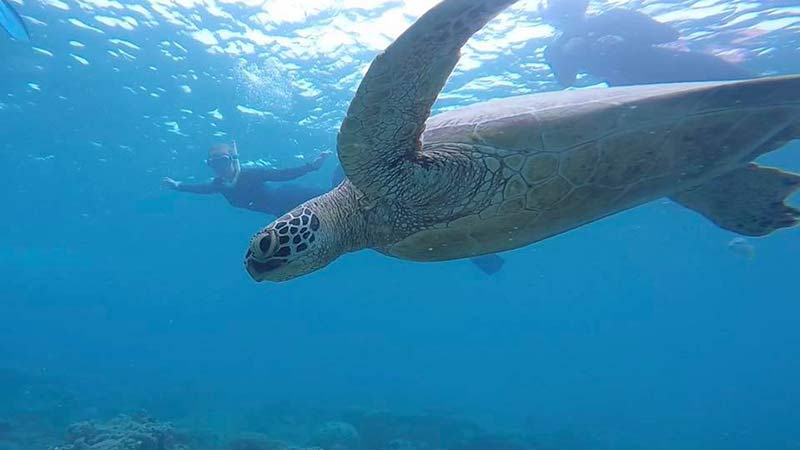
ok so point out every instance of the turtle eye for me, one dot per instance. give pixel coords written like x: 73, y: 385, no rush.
x: 265, y: 244
x: 268, y: 244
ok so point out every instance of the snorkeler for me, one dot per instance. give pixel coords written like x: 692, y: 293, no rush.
x: 12, y: 22
x: 244, y: 184
x: 623, y: 47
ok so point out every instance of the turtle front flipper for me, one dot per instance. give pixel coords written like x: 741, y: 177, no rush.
x: 381, y: 133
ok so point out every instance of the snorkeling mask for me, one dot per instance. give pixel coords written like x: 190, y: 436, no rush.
x: 221, y: 161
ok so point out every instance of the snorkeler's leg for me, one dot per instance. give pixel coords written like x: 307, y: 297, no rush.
x: 285, y: 197
x: 338, y: 176
x: 489, y: 264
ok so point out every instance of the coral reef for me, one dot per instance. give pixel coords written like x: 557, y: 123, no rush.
x: 336, y: 436
x: 124, y: 433
x: 382, y: 430
x: 272, y: 428
x: 359, y: 429
x: 6, y: 427
x: 494, y: 442
x: 401, y: 444
x: 255, y: 441
x: 285, y: 422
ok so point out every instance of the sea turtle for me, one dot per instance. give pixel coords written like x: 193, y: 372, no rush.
x: 505, y: 173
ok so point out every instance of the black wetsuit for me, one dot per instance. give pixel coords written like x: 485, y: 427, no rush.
x: 252, y: 192
x: 621, y: 47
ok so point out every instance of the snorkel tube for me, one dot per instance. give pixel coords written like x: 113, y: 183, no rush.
x: 237, y: 168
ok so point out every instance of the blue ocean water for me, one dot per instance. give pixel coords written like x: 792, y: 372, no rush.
x: 646, y: 330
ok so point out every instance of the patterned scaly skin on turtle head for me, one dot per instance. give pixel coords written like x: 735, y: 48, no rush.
x: 309, y: 237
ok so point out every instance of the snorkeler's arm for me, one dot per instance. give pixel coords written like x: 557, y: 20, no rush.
x: 209, y: 187
x: 271, y: 174
x: 263, y: 173
x: 634, y: 26
x: 562, y: 63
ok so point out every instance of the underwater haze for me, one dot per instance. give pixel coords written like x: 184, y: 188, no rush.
x: 127, y: 305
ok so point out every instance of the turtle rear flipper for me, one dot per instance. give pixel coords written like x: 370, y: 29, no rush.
x: 750, y: 201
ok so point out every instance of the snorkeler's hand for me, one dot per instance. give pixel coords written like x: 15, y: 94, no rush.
x: 169, y: 183
x: 319, y: 160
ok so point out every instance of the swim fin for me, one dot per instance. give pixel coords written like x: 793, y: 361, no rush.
x: 12, y: 22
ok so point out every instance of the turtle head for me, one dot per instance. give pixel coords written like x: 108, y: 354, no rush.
x: 294, y: 245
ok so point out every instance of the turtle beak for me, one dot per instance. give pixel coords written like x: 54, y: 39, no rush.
x: 261, y: 271
x: 252, y: 269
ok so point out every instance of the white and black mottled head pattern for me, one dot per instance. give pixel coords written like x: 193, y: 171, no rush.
x: 291, y: 245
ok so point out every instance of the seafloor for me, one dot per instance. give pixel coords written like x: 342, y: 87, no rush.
x: 38, y: 414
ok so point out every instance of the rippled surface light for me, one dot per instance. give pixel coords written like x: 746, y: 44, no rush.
x: 298, y: 62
